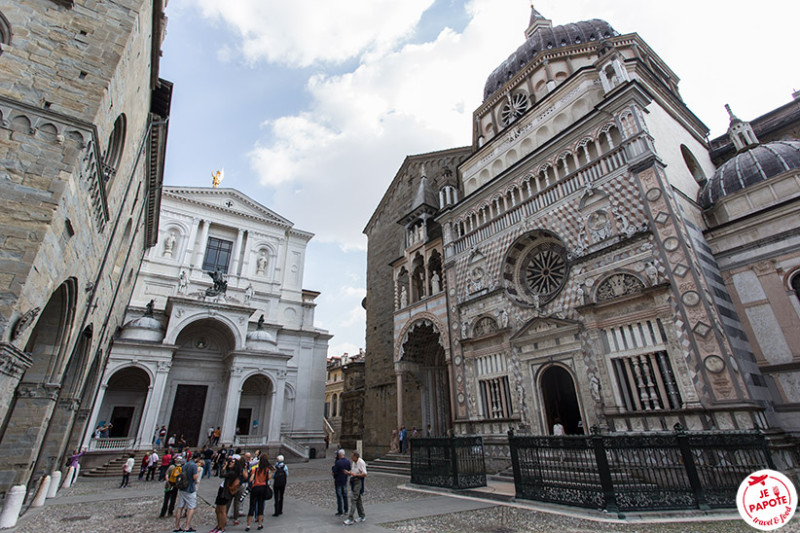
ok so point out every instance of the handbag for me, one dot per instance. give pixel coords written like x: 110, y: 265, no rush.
x: 267, y: 492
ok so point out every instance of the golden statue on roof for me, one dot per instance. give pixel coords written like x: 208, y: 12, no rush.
x: 217, y: 177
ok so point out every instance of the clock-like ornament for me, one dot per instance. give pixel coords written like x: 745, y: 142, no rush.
x: 537, y: 269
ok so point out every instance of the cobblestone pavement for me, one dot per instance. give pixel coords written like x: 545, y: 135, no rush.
x: 99, y: 506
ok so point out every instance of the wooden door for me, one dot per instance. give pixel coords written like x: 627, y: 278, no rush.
x: 187, y: 413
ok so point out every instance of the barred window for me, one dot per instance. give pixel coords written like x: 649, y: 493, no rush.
x: 496, y: 397
x: 218, y: 255
x: 646, y: 382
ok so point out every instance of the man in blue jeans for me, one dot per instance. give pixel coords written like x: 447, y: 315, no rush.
x: 339, y: 469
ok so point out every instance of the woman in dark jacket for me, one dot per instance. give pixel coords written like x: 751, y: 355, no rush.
x: 230, y: 475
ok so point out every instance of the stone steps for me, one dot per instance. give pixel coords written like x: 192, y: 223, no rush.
x: 111, y: 469
x: 392, y: 463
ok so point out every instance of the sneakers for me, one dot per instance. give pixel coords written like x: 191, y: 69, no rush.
x: 349, y: 522
x: 179, y: 530
x: 361, y: 519
x: 215, y: 530
x: 247, y: 528
x: 190, y: 530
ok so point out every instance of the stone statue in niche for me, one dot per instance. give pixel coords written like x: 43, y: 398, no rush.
x: 403, y: 297
x: 169, y: 244
x: 651, y: 272
x: 594, y: 388
x: 503, y: 318
x: 183, y: 283
x: 435, y: 283
x: 580, y: 294
x: 261, y: 263
x: 248, y: 293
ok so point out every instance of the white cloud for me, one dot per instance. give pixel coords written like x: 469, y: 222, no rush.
x: 343, y: 348
x: 304, y: 32
x: 334, y: 160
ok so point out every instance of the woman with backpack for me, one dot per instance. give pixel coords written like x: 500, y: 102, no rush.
x: 171, y: 486
x: 259, y: 491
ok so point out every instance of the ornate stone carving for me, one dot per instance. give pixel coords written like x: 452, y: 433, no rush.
x: 485, y: 326
x: 25, y: 321
x: 38, y: 391
x: 618, y: 285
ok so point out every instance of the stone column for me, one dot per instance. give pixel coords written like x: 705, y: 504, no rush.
x: 152, y: 406
x: 399, y: 399
x: 201, y: 246
x: 187, y: 253
x: 237, y: 250
x: 246, y: 255
x: 231, y: 405
x: 98, y: 404
x: 276, y: 413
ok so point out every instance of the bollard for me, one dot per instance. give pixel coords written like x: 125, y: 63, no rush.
x: 55, y: 479
x: 14, y: 499
x: 68, y: 478
x: 41, y: 494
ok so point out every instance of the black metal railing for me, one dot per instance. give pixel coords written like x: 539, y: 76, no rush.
x: 638, y: 472
x: 450, y: 462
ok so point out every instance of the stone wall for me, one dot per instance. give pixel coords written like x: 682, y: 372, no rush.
x: 386, y: 243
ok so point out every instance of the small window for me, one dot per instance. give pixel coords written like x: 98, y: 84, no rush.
x: 114, y: 148
x: 218, y: 255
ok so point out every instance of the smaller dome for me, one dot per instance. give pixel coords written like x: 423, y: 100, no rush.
x: 144, y: 328
x: 260, y: 335
x: 756, y: 165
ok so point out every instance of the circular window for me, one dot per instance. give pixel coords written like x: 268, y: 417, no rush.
x: 536, y: 269
x: 516, y: 107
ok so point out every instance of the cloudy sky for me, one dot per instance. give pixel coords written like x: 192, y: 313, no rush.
x: 312, y: 106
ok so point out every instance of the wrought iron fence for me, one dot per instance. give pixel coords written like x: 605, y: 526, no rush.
x: 638, y: 472
x: 450, y: 462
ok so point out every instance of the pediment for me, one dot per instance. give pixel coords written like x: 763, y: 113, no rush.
x: 540, y: 327
x: 226, y: 200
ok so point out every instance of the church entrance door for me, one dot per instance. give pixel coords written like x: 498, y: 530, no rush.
x: 560, y: 400
x: 187, y: 412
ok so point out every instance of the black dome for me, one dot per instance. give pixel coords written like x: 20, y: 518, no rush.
x: 545, y: 38
x: 747, y: 168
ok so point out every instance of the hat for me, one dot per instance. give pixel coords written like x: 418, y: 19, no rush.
x: 236, y: 456
x: 279, y: 458
x: 179, y: 459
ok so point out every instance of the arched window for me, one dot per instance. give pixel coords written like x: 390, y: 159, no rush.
x: 113, y: 155
x: 796, y: 285
x: 5, y: 32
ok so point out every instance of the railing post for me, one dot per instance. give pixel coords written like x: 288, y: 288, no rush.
x: 690, y: 466
x: 604, y: 471
x: 765, y: 448
x: 453, y: 462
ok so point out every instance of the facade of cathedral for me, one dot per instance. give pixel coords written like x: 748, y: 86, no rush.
x: 565, y: 266
x: 219, y: 333
x: 83, y: 126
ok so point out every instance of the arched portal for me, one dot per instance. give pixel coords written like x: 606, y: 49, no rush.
x: 197, y: 385
x: 560, y: 400
x: 123, y: 403
x: 36, y: 395
x: 255, y: 405
x: 426, y: 388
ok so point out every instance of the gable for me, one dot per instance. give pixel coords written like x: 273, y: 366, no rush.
x: 225, y: 200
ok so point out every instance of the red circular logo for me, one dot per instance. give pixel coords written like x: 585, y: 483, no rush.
x: 766, y: 500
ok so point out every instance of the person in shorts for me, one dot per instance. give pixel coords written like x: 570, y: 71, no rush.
x: 187, y: 499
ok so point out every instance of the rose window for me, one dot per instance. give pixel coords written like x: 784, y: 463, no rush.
x: 536, y: 269
x: 515, y: 108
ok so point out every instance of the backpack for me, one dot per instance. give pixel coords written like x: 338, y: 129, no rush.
x: 183, y: 480
x: 279, y: 477
x: 174, y: 475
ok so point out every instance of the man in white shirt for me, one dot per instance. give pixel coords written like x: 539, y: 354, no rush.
x: 126, y: 471
x: 152, y: 463
x: 357, y: 473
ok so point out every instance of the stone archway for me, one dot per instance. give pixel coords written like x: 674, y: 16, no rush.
x: 36, y: 395
x: 255, y: 406
x: 423, y: 381
x: 559, y: 400
x: 124, y: 402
